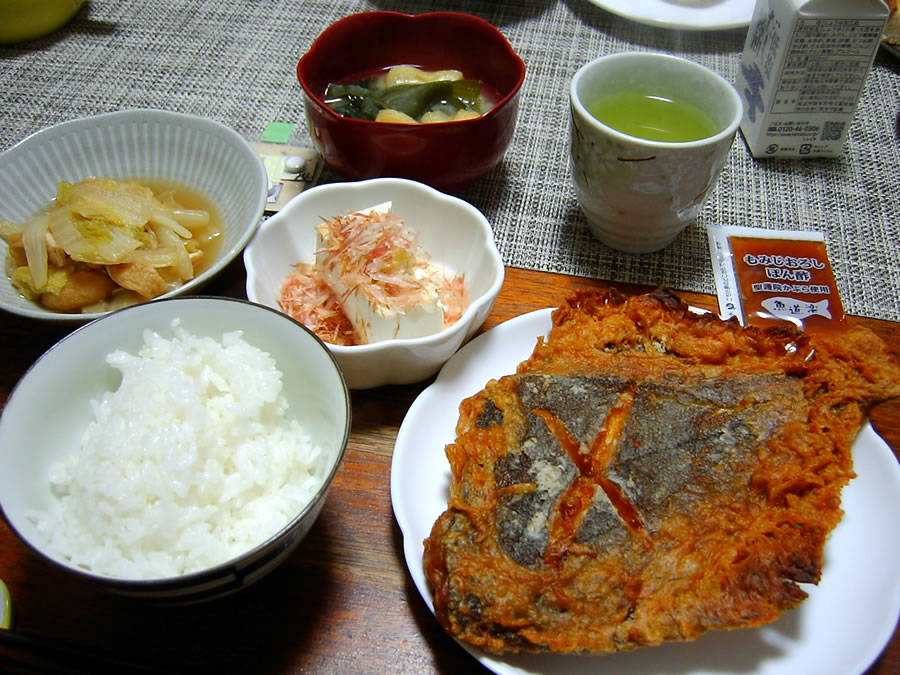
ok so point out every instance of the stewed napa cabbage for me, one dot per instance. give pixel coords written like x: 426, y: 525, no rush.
x: 105, y: 243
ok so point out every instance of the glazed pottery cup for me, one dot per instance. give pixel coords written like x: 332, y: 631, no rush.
x: 638, y: 194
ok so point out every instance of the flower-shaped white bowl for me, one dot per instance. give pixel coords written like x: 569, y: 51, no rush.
x: 193, y: 151
x: 49, y: 409
x: 455, y: 234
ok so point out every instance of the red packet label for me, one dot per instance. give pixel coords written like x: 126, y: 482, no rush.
x: 764, y: 277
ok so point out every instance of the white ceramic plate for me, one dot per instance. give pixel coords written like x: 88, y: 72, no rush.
x: 134, y: 144
x: 683, y: 14
x: 840, y: 629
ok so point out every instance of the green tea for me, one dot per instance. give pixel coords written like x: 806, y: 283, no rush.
x: 654, y: 118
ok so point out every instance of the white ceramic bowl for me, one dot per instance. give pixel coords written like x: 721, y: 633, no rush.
x: 151, y: 144
x: 454, y: 232
x: 50, y: 407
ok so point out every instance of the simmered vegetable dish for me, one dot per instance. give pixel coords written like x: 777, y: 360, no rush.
x: 105, y: 244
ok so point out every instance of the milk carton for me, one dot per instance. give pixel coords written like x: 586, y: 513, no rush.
x: 803, y: 69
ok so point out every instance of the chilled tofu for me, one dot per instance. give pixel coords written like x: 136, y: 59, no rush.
x: 374, y: 322
x: 383, y: 279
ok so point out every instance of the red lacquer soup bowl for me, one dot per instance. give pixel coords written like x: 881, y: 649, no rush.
x: 445, y: 155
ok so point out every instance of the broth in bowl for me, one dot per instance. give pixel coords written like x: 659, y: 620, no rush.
x: 407, y: 94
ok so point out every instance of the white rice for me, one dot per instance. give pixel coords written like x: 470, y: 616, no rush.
x: 191, y: 462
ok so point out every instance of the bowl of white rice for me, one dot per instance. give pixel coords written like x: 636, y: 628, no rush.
x: 177, y: 450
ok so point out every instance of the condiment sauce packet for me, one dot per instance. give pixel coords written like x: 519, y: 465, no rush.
x: 769, y: 276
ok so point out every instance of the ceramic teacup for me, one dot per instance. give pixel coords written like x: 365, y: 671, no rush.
x: 638, y: 194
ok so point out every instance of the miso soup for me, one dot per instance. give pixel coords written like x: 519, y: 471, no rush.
x: 411, y: 95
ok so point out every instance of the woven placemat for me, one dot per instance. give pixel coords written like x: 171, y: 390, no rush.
x: 236, y: 63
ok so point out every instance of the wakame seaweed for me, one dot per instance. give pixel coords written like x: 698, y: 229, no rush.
x: 362, y: 100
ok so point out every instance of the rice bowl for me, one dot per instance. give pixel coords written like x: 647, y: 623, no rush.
x: 214, y: 477
x: 191, y: 461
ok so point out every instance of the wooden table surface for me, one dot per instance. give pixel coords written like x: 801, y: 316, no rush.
x: 343, y: 602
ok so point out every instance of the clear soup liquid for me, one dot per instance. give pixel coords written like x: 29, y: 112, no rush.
x: 653, y: 118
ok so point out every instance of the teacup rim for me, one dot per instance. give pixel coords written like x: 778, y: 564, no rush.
x: 578, y: 106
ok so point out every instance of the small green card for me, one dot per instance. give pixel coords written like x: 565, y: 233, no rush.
x: 277, y: 132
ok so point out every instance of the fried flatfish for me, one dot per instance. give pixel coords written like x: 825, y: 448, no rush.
x: 648, y: 474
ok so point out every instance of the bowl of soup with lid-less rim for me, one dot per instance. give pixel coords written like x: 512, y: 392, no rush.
x: 448, y: 155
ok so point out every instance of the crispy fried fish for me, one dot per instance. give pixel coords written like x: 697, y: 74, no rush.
x: 648, y: 474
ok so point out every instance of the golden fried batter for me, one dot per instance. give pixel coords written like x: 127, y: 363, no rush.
x: 647, y: 475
